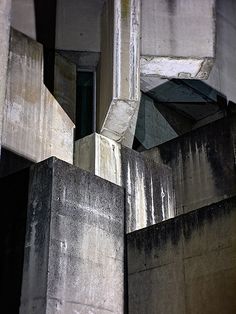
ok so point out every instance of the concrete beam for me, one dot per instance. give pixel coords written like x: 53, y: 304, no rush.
x: 119, y: 68
x: 177, y: 38
x: 5, y: 12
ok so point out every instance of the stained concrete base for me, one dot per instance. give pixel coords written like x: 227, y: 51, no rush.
x: 74, y: 245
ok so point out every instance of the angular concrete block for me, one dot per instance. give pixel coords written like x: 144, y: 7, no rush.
x: 177, y: 38
x: 149, y: 191
x: 99, y: 155
x: 119, y: 91
x: 34, y: 126
x: 74, y: 247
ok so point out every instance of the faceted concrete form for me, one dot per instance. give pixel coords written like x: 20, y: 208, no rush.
x: 99, y: 155
x: 203, y: 164
x: 74, y: 247
x: 35, y: 126
x: 119, y: 90
x: 65, y: 85
x: 177, y: 38
x: 149, y: 191
x: 186, y: 264
x: 5, y: 13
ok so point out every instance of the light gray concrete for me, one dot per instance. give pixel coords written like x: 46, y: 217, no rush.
x: 99, y: 155
x: 23, y: 17
x: 119, y: 87
x: 65, y: 85
x: 177, y: 38
x: 74, y: 246
x: 78, y: 25
x: 5, y: 11
x: 34, y: 125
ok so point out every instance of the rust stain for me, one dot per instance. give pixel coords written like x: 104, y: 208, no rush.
x: 125, y: 8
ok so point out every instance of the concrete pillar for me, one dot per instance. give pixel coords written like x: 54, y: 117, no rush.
x: 5, y: 12
x: 119, y: 91
x: 177, y: 38
x: 74, y: 245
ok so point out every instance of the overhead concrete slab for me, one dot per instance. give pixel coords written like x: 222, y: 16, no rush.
x: 177, y: 38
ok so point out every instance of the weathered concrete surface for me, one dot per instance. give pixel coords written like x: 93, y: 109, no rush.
x: 149, y: 190
x: 23, y: 17
x: 203, y: 164
x: 5, y: 12
x: 34, y: 126
x: 74, y: 248
x: 65, y: 85
x: 185, y: 265
x: 119, y: 90
x: 177, y: 38
x: 99, y: 155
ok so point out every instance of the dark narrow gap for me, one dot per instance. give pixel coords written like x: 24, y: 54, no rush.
x: 84, y: 104
x: 45, y: 15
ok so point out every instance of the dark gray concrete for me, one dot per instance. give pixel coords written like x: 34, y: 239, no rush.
x: 74, y: 242
x: 186, y: 264
x: 149, y: 190
x: 203, y: 164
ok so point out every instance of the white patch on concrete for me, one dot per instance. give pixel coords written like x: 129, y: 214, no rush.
x: 140, y: 201
x: 163, y: 203
x: 152, y: 203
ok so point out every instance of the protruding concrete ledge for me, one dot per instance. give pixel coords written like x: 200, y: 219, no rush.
x: 74, y: 246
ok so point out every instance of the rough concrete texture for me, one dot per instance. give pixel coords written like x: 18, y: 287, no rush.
x: 185, y: 265
x: 119, y: 89
x: 186, y: 47
x: 23, y: 17
x: 223, y: 74
x: 34, y: 126
x: 203, y: 164
x: 5, y: 11
x: 65, y: 85
x: 74, y: 247
x: 149, y: 190
x: 99, y: 155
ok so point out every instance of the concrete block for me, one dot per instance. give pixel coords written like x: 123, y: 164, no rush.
x: 186, y: 47
x: 99, y: 155
x: 74, y: 247
x: 119, y: 90
x: 177, y: 266
x: 149, y: 190
x: 203, y: 165
x: 35, y: 126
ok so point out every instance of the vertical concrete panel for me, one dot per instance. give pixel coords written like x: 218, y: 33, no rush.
x: 5, y: 12
x: 65, y: 85
x: 74, y: 253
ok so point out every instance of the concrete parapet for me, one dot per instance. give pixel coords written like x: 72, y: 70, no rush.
x: 74, y: 246
x: 186, y: 264
x: 34, y: 126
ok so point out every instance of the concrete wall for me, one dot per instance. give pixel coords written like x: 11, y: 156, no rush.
x: 23, y: 17
x: 74, y: 247
x: 78, y: 25
x: 150, y: 196
x: 5, y: 10
x: 35, y: 126
x: 185, y: 265
x: 65, y: 85
x: 203, y: 164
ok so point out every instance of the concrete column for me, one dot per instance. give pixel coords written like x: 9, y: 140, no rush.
x: 74, y: 246
x: 119, y: 91
x: 5, y: 11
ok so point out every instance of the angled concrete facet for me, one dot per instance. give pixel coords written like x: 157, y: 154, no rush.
x: 186, y: 47
x: 119, y: 68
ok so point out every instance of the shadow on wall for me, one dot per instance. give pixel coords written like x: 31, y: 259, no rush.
x: 45, y: 15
